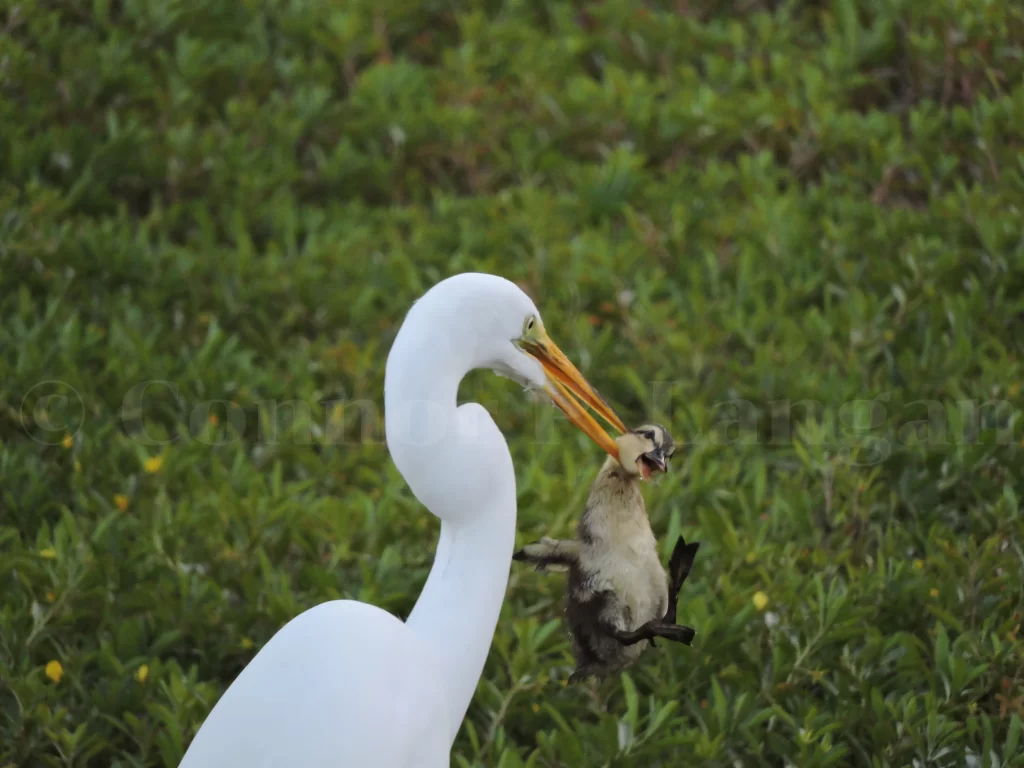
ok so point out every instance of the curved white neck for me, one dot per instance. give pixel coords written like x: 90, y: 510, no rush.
x: 457, y: 464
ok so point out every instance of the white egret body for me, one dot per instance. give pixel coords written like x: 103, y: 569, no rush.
x: 348, y: 685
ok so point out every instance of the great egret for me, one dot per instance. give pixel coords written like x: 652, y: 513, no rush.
x: 348, y: 685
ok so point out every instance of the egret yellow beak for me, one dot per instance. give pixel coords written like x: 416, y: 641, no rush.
x: 568, y: 389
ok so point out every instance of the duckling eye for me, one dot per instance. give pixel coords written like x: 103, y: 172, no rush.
x: 649, y: 434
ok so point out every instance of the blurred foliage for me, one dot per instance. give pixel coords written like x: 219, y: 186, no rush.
x: 215, y: 215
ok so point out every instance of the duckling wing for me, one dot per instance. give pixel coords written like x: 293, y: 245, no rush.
x: 550, y: 554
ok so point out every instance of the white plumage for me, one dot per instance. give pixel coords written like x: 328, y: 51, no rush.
x: 347, y: 685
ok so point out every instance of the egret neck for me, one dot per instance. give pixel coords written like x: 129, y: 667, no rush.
x: 457, y: 464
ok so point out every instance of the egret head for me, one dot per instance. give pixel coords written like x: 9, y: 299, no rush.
x: 525, y: 353
x: 484, y: 321
x: 645, y: 451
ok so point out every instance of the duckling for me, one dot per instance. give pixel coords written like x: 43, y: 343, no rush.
x: 619, y: 597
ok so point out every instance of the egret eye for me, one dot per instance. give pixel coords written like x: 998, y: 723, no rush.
x: 529, y: 325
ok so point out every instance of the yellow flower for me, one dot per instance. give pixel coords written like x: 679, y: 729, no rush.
x: 143, y: 674
x: 153, y: 464
x: 51, y: 596
x: 212, y: 418
x: 48, y: 554
x: 121, y: 501
x: 246, y: 643
x: 934, y: 592
x: 919, y: 563
x: 760, y: 600
x: 54, y: 671
x: 67, y: 442
x: 536, y: 707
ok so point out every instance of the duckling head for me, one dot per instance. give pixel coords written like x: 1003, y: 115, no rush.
x: 645, y: 451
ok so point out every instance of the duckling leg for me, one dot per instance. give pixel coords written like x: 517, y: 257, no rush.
x: 656, y: 628
x: 678, y: 569
x: 550, y: 554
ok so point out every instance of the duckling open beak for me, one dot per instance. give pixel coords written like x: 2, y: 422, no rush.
x: 651, y: 462
x: 569, y: 390
x: 658, y: 459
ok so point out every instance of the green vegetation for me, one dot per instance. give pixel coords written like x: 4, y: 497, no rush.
x: 710, y: 201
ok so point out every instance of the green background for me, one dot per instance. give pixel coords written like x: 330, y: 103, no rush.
x: 710, y: 202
